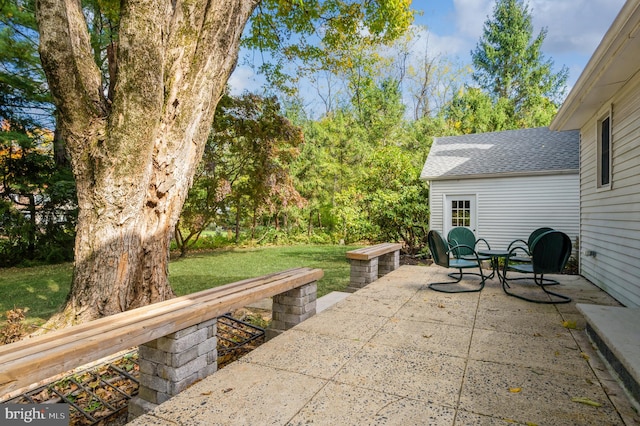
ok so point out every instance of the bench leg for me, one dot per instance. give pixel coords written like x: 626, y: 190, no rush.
x: 291, y: 308
x: 169, y: 364
x: 363, y: 272
x: 388, y: 262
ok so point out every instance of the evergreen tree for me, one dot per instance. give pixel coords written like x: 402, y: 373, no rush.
x: 37, y: 191
x: 508, y: 64
x: 25, y: 101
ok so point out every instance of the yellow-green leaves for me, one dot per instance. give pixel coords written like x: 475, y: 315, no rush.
x: 586, y: 401
x: 323, y: 34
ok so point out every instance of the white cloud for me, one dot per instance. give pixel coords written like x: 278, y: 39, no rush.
x: 244, y: 78
x: 575, y: 26
x: 471, y: 15
x: 440, y: 45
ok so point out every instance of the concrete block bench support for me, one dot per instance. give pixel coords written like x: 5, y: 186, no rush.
x: 370, y: 263
x: 172, y: 363
x: 291, y: 308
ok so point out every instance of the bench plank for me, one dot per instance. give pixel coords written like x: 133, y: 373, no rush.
x: 41, y: 357
x: 368, y: 253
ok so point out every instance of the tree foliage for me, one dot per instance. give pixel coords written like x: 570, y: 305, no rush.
x: 310, y: 35
x: 25, y: 100
x: 245, y: 169
x: 474, y: 111
x: 355, y: 177
x: 510, y: 67
x: 37, y: 201
x: 431, y: 81
x: 37, y: 197
x: 360, y: 167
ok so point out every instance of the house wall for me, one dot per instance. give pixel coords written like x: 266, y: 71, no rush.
x: 511, y: 208
x: 610, y: 218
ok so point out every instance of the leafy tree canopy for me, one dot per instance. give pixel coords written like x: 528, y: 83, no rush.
x: 321, y: 33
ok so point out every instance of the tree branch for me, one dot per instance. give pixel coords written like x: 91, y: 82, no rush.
x: 67, y: 59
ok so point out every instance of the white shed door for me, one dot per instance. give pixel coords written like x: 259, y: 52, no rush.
x: 460, y: 210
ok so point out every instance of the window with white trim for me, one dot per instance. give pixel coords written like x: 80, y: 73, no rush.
x: 604, y: 151
x: 461, y: 213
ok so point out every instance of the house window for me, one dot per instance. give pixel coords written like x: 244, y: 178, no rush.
x: 460, y: 213
x: 604, y: 152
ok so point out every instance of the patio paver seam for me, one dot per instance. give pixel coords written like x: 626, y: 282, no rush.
x: 466, y: 361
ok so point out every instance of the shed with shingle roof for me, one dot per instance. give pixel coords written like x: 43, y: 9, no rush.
x: 503, y: 185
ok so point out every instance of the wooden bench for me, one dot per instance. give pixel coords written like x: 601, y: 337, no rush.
x: 165, y: 330
x: 370, y: 263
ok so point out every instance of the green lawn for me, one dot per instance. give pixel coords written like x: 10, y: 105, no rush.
x: 43, y: 289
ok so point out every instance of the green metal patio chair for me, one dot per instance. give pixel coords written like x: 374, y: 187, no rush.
x: 441, y: 253
x: 550, y: 252
x: 467, y: 246
x: 526, y: 247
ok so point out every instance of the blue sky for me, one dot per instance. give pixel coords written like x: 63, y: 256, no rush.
x: 453, y: 28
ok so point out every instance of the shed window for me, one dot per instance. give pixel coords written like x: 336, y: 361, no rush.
x: 460, y: 213
x: 604, y: 152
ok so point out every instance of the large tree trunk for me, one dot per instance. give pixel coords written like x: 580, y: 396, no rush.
x: 134, y: 156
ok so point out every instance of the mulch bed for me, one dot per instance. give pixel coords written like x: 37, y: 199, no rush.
x: 406, y: 259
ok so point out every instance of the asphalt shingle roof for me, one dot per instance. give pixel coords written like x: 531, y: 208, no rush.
x: 527, y: 151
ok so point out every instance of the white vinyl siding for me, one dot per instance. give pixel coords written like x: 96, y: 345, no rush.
x: 512, y: 207
x: 610, y: 219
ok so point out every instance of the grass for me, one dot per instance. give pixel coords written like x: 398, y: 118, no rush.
x: 43, y: 289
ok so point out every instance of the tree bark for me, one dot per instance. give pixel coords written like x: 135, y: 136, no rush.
x: 134, y: 156
x: 33, y: 224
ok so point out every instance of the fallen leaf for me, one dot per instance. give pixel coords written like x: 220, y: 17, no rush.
x: 537, y: 335
x: 585, y: 356
x: 440, y: 305
x: 206, y: 393
x: 227, y: 390
x: 427, y: 336
x: 586, y: 401
x: 570, y: 324
x: 515, y: 390
x: 531, y: 424
x: 557, y: 353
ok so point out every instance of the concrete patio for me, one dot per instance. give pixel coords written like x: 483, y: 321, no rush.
x: 398, y: 353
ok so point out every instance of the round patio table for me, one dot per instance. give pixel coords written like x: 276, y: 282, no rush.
x: 495, y: 256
